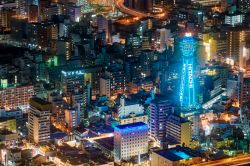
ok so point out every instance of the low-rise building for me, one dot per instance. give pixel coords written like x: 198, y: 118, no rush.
x: 175, y: 157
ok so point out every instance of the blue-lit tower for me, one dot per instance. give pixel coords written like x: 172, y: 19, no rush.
x: 187, y: 89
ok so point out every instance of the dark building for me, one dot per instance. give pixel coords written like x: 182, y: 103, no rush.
x: 141, y: 5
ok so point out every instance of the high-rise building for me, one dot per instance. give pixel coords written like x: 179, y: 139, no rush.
x: 178, y: 130
x: 113, y: 82
x: 47, y: 35
x: 159, y: 110
x: 39, y: 120
x: 141, y: 5
x: 33, y: 13
x: 236, y: 40
x: 22, y: 7
x: 234, y: 19
x: 5, y: 17
x: 104, y: 25
x: 163, y: 39
x: 72, y: 116
x: 74, y: 12
x: 130, y: 140
x: 187, y: 89
x: 72, y: 80
x: 12, y: 97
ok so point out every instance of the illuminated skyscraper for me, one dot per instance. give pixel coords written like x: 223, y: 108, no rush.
x: 187, y: 89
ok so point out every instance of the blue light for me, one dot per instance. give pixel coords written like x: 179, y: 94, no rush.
x: 187, y: 89
x: 181, y: 154
x: 129, y: 128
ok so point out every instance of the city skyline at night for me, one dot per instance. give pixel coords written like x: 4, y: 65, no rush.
x: 124, y: 82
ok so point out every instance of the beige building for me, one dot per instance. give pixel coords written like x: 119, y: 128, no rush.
x: 178, y: 130
x: 39, y: 120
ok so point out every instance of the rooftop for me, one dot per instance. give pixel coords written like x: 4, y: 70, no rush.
x: 131, y: 125
x: 107, y: 143
x: 40, y: 104
x: 178, y: 153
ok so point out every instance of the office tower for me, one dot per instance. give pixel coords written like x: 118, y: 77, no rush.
x: 5, y: 17
x: 39, y: 120
x: 64, y: 29
x: 81, y: 84
x: 20, y: 99
x: 187, y: 89
x: 113, y: 82
x: 47, y: 34
x: 104, y: 25
x: 210, y: 47
x: 236, y: 40
x: 244, y: 55
x: 134, y: 69
x: 64, y: 48
x: 146, y: 62
x: 72, y: 80
x: 72, y: 84
x: 212, y: 86
x: 234, y: 18
x: 162, y: 39
x: 132, y: 45
x: 74, y: 12
x: 22, y: 7
x: 130, y: 140
x: 159, y: 110
x: 178, y: 130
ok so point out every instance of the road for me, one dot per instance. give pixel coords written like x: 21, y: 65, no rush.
x: 120, y: 5
x: 100, y: 137
x: 232, y: 161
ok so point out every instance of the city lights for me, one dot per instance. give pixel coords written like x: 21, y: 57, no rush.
x: 187, y: 88
x: 125, y: 82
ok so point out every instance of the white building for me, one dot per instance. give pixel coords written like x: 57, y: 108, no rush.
x: 234, y: 19
x: 130, y: 140
x: 163, y: 39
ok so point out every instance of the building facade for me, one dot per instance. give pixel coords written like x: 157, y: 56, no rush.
x: 130, y: 140
x: 39, y: 121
